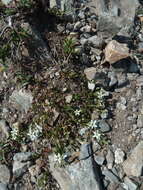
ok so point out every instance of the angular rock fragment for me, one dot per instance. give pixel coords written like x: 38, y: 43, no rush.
x: 116, y: 51
x: 133, y: 166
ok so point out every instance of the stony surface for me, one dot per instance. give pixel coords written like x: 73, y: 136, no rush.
x: 71, y: 82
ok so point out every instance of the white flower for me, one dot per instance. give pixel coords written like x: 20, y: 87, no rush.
x: 58, y: 158
x: 97, y: 135
x: 34, y: 132
x: 92, y: 124
x: 14, y: 133
x: 77, y: 112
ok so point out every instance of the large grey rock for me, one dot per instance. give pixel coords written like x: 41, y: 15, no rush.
x: 115, y: 14
x: 22, y: 100
x: 80, y: 176
x: 133, y: 166
x: 4, y: 174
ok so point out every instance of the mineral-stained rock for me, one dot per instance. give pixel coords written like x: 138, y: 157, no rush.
x: 116, y: 51
x: 133, y: 166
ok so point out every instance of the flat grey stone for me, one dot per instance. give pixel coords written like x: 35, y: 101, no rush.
x: 131, y: 185
x: 21, y: 163
x: 119, y: 156
x: 104, y: 126
x: 110, y: 176
x: 110, y: 159
x: 133, y: 166
x: 22, y: 156
x: 99, y: 160
x: 22, y: 100
x: 3, y: 186
x: 4, y: 174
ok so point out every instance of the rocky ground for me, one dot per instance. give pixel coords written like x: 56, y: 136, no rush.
x: 71, y: 91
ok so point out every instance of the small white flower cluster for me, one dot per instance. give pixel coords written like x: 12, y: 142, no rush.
x: 14, y: 133
x: 77, y: 112
x: 97, y: 135
x: 58, y: 158
x: 34, y: 131
x: 102, y: 93
x: 92, y: 124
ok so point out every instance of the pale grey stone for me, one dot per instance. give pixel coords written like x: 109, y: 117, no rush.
x: 22, y: 100
x: 110, y: 176
x: 22, y: 156
x: 4, y: 129
x: 3, y: 186
x: 130, y: 184
x: 110, y: 159
x: 115, y: 15
x: 119, y: 156
x: 4, y: 174
x: 133, y: 166
x: 96, y: 41
x: 21, y: 163
x: 99, y: 160
x: 104, y: 126
x: 90, y: 73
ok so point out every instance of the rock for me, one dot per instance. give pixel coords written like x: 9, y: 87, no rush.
x: 77, y: 26
x: 140, y: 47
x: 64, y: 5
x: 116, y: 51
x: 113, y: 79
x: 140, y: 121
x: 115, y: 15
x: 22, y: 100
x: 104, y: 126
x: 4, y: 174
x: 3, y: 186
x: 110, y: 159
x: 21, y: 162
x: 82, y: 175
x: 22, y: 156
x: 90, y: 73
x: 91, y: 86
x: 4, y: 130
x: 119, y: 156
x: 133, y: 166
x: 86, y: 29
x: 68, y: 98
x: 99, y: 160
x: 6, y: 2
x: 110, y: 176
x: 130, y: 184
x: 96, y: 41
